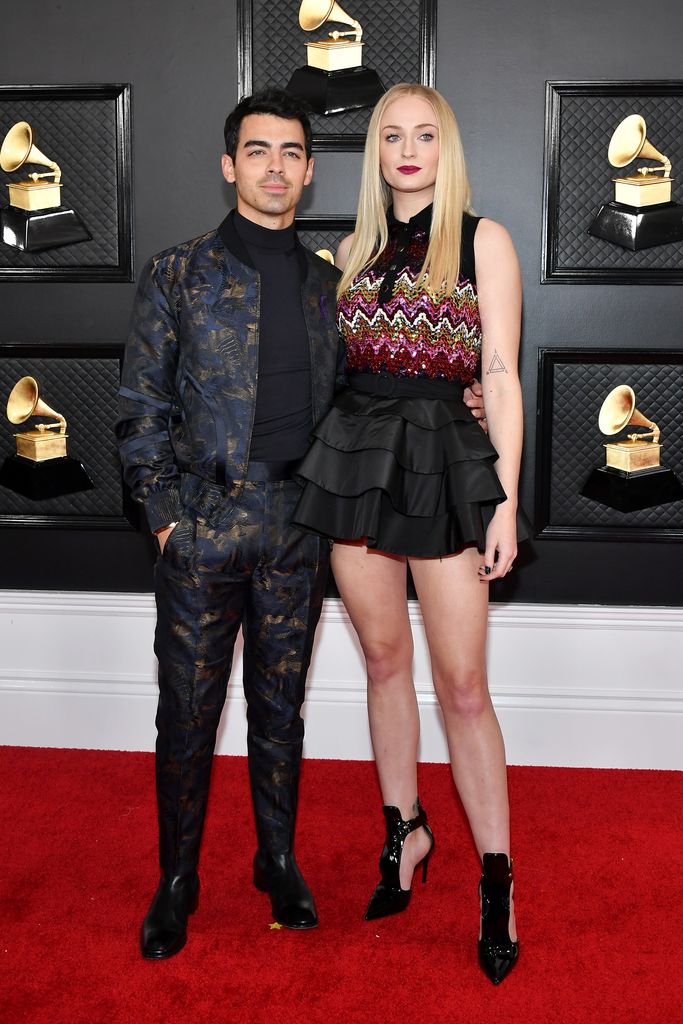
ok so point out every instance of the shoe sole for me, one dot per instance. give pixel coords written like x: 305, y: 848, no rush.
x: 298, y: 927
x: 166, y: 955
x: 263, y: 886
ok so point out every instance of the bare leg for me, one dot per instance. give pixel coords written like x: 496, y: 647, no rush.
x: 373, y: 588
x: 455, y: 611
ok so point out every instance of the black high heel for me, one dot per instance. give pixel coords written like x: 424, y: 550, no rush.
x: 389, y: 898
x: 497, y: 952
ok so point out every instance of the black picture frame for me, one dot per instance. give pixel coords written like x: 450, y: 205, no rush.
x: 86, y: 128
x: 406, y: 55
x: 579, y: 120
x: 323, y: 232
x: 81, y: 382
x: 572, y: 383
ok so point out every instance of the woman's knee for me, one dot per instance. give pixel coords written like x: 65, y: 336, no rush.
x: 387, y: 659
x: 463, y: 693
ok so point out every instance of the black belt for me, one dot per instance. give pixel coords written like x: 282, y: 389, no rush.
x: 388, y: 386
x: 270, y: 472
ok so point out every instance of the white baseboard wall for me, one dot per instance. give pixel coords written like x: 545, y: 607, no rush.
x: 584, y: 686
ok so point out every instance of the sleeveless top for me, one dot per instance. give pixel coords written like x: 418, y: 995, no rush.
x: 391, y: 324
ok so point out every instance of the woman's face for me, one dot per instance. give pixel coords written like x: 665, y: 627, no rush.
x: 409, y: 146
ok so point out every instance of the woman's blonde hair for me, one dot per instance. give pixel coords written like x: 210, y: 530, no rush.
x: 451, y: 197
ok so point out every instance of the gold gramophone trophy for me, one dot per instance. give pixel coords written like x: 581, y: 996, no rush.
x: 642, y: 214
x: 632, y: 477
x: 41, y: 467
x: 335, y: 79
x: 35, y: 218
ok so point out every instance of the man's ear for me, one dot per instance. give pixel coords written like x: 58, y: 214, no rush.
x: 309, y: 172
x: 228, y: 169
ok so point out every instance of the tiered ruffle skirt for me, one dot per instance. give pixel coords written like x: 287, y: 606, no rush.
x: 404, y: 465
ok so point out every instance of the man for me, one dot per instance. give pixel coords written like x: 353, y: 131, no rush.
x: 233, y: 355
x: 209, y: 453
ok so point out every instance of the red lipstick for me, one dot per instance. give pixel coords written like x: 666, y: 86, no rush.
x: 409, y: 169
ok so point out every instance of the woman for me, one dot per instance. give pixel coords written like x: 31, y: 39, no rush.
x: 400, y: 474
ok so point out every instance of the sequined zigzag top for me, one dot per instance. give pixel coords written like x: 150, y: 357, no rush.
x: 390, y: 324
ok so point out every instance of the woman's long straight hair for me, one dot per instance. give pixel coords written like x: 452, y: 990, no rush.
x: 451, y: 197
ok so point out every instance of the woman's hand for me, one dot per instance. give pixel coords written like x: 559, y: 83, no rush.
x: 501, y: 544
x: 473, y: 397
x: 163, y: 535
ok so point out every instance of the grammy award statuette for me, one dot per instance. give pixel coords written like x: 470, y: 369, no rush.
x: 41, y: 467
x: 35, y: 218
x: 632, y: 477
x: 334, y: 79
x: 642, y: 214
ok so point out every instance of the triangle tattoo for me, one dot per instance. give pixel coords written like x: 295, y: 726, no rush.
x: 497, y: 364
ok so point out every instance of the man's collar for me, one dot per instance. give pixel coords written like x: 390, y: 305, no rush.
x: 232, y: 241
x: 256, y: 236
x: 234, y: 244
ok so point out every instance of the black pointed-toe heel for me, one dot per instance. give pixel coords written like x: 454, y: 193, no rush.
x: 389, y: 898
x: 497, y: 952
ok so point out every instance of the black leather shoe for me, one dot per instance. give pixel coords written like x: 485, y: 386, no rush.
x: 388, y: 897
x: 497, y: 952
x: 290, y: 897
x: 164, y: 930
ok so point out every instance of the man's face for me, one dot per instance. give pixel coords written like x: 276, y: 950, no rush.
x: 270, y: 169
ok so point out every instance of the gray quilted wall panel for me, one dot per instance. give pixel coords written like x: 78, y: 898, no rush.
x: 587, y: 124
x: 324, y: 239
x: 391, y: 34
x: 84, y: 390
x: 577, y: 444
x: 581, y: 120
x: 84, y: 134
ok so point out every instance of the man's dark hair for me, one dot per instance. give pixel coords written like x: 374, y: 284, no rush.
x: 269, y: 101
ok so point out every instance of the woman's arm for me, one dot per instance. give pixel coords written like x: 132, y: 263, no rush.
x: 500, y: 306
x: 343, y: 251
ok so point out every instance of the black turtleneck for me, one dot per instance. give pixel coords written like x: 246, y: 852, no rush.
x: 284, y: 416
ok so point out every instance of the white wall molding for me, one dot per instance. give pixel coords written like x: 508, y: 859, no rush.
x: 573, y: 685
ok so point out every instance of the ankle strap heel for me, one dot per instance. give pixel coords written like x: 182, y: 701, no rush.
x: 388, y: 897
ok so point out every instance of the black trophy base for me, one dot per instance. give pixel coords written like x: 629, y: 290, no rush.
x: 41, y: 480
x: 334, y: 92
x: 630, y: 492
x: 35, y: 230
x: 633, y: 228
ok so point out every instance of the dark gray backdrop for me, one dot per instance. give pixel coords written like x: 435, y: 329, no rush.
x: 492, y: 63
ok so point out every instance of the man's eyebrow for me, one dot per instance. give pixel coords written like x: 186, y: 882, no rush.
x: 269, y: 145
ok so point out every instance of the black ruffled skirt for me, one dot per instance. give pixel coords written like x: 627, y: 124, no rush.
x: 402, y: 463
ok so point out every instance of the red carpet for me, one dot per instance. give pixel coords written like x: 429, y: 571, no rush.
x: 599, y: 881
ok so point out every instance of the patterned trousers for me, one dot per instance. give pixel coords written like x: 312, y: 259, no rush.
x: 245, y: 566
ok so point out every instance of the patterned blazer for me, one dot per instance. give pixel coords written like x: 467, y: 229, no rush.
x: 188, y: 390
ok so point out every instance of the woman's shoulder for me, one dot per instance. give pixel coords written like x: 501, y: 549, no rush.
x: 342, y: 255
x: 493, y: 246
x: 486, y: 230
